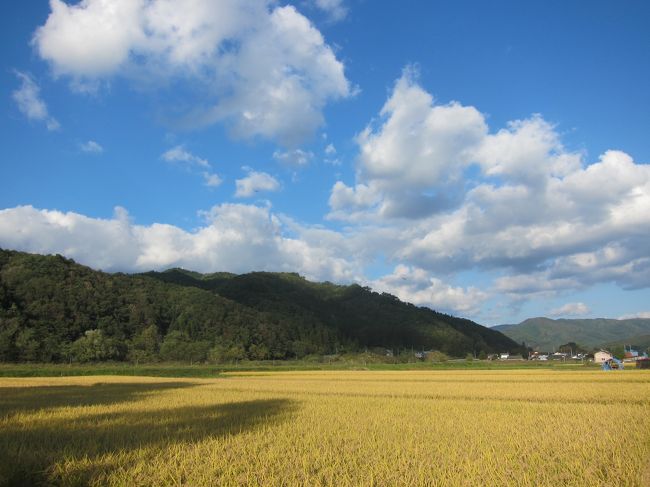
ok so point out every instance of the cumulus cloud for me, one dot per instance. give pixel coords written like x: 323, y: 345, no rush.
x: 192, y: 162
x: 211, y: 179
x: 448, y: 194
x: 571, y: 309
x: 294, y: 158
x: 420, y: 144
x: 235, y: 238
x: 417, y: 286
x: 29, y: 102
x: 261, y: 67
x: 179, y: 154
x: 520, y: 287
x: 335, y: 9
x: 416, y: 157
x: 255, y: 182
x: 89, y: 39
x: 596, y: 214
x: 352, y: 204
x: 91, y: 146
x: 640, y: 314
x: 527, y: 151
x: 330, y: 156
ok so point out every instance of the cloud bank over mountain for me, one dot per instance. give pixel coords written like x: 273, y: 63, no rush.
x: 242, y: 135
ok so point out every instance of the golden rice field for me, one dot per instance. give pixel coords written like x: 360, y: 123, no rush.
x: 329, y: 428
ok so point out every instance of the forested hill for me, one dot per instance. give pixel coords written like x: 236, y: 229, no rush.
x: 547, y: 334
x: 52, y: 309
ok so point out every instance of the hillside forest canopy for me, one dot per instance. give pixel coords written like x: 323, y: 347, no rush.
x: 55, y: 310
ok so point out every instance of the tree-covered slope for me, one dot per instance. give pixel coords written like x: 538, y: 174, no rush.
x: 546, y: 334
x: 640, y: 343
x: 52, y: 309
x: 368, y: 318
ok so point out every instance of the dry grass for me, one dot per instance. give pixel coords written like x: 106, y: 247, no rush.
x: 329, y: 428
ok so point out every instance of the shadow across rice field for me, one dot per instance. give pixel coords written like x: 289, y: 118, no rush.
x: 31, y: 446
x: 25, y: 399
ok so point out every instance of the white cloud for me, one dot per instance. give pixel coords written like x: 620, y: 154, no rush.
x: 254, y: 183
x: 28, y: 99
x: 336, y: 9
x: 330, y: 156
x: 571, y: 309
x: 417, y: 286
x: 417, y: 156
x: 179, y: 154
x: 420, y: 144
x: 528, y: 152
x: 526, y: 226
x: 92, y: 147
x: 235, y: 238
x: 294, y: 158
x: 519, y: 287
x: 441, y: 193
x: 352, y: 204
x: 103, y: 244
x: 89, y: 39
x: 262, y: 68
x: 212, y: 180
x: 640, y: 314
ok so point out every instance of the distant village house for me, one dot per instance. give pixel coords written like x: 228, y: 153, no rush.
x: 602, y: 357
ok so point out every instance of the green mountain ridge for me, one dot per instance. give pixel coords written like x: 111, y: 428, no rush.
x: 639, y: 343
x: 53, y: 309
x: 548, y: 334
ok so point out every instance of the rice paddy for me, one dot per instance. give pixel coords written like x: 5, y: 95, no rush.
x: 526, y: 427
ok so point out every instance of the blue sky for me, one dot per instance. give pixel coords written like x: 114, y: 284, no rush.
x: 486, y: 159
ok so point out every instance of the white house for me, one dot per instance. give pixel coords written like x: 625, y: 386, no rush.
x: 602, y: 356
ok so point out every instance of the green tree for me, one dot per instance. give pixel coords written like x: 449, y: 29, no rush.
x: 8, y: 330
x: 197, y: 351
x: 175, y: 346
x: 27, y: 345
x: 618, y: 352
x: 94, y: 346
x: 217, y: 354
x: 179, y: 347
x: 258, y: 352
x: 300, y: 348
x: 226, y: 353
x: 145, y: 345
x: 437, y: 356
